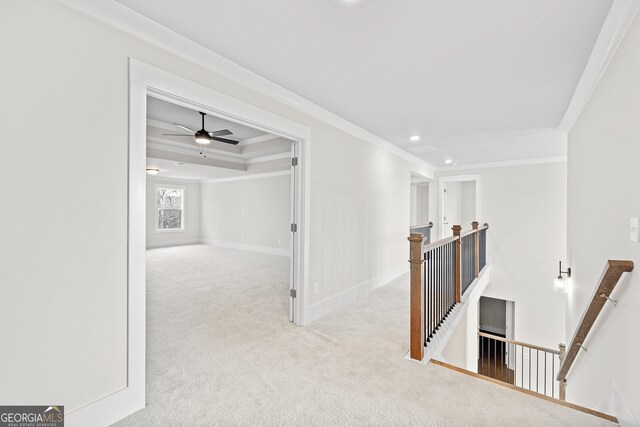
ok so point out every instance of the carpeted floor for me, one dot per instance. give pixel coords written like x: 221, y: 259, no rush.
x: 220, y: 351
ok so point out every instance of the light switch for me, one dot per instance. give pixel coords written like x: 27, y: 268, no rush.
x: 633, y: 229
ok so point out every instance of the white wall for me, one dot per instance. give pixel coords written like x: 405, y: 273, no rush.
x: 191, y: 233
x: 467, y: 203
x: 413, y: 196
x: 422, y: 199
x: 419, y: 204
x: 525, y: 207
x: 603, y: 185
x: 64, y: 284
x: 251, y: 214
x: 493, y: 315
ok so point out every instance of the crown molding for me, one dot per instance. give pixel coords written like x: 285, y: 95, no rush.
x: 614, y: 28
x: 258, y: 139
x: 160, y: 144
x: 504, y: 164
x: 131, y: 22
x: 245, y: 177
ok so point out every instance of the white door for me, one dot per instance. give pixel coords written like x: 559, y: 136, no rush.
x: 292, y: 283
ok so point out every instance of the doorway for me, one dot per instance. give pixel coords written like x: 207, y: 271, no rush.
x: 495, y: 358
x: 217, y: 194
x: 146, y: 80
x: 419, y: 201
x: 459, y: 202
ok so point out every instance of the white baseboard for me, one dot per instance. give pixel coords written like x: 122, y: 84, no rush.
x: 247, y: 247
x: 156, y: 245
x: 330, y: 304
x: 621, y: 409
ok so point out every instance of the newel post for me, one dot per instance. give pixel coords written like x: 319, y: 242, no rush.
x: 417, y: 297
x: 458, y: 245
x: 476, y: 249
x: 563, y: 382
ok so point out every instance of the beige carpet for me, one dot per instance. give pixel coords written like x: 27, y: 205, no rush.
x: 220, y: 351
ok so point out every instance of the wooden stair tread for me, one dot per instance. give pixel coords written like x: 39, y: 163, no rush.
x: 530, y: 393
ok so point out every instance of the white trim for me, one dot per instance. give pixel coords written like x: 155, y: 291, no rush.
x: 131, y: 22
x: 621, y: 409
x: 114, y: 407
x: 243, y: 177
x: 247, y: 247
x: 176, y: 243
x: 145, y: 80
x: 614, y: 28
x: 350, y: 295
x: 212, y: 153
x: 257, y: 139
x: 268, y: 158
x: 163, y: 179
x: 504, y: 164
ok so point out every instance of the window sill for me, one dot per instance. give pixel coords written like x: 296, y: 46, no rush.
x: 171, y: 230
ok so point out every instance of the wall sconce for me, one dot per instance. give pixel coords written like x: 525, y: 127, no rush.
x: 560, y: 283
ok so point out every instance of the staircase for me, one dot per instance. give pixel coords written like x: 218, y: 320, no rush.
x: 446, y: 273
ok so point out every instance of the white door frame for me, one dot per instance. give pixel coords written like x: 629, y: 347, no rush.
x: 441, y: 208
x: 146, y: 80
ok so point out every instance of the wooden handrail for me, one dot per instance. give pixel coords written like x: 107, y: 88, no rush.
x: 522, y: 344
x: 439, y: 243
x: 606, y: 285
x: 429, y: 225
x: 484, y: 226
x: 417, y: 251
x: 466, y: 233
x: 525, y: 391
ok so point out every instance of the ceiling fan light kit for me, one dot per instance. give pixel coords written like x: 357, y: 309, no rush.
x: 204, y: 137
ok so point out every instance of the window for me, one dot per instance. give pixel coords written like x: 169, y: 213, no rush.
x: 170, y: 208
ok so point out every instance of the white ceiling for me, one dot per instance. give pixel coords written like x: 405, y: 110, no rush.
x: 447, y: 70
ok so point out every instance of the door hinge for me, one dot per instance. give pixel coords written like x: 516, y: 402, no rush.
x: 294, y: 161
x: 292, y: 293
x: 294, y: 228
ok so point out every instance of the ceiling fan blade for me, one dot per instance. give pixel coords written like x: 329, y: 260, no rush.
x: 176, y: 134
x: 225, y: 140
x: 185, y: 128
x: 221, y: 132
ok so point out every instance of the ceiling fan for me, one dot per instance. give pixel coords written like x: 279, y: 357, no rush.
x: 205, y: 137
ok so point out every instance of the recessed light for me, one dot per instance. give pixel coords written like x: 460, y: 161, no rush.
x: 414, y: 138
x: 448, y: 161
x: 152, y: 171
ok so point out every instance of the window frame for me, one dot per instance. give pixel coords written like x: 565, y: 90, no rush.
x: 183, y: 227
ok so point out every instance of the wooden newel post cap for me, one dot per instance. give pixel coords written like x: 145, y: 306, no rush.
x: 456, y: 230
x: 475, y: 225
x: 415, y: 237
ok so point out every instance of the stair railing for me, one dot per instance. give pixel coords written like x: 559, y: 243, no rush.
x: 607, y: 283
x: 441, y: 272
x: 424, y: 229
x: 523, y: 365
